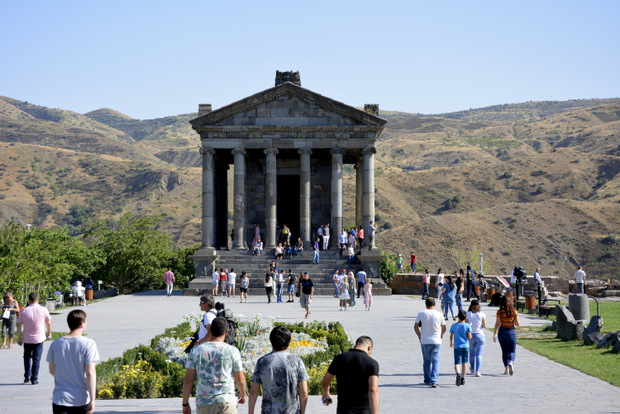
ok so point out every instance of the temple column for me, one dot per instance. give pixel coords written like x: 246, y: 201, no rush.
x: 359, y: 194
x: 304, y: 196
x: 368, y: 207
x: 271, y: 197
x: 208, y: 235
x: 336, y: 219
x: 239, y: 198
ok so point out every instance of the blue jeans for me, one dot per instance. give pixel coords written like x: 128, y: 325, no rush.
x: 580, y: 287
x: 351, y: 260
x: 335, y: 288
x: 32, y: 353
x: 315, y: 257
x: 508, y: 341
x: 430, y: 353
x: 426, y: 293
x: 459, y: 301
x: 412, y: 267
x: 279, y: 292
x: 476, y: 345
x: 448, y: 305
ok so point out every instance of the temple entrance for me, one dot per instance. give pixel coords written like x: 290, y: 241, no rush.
x: 288, y: 204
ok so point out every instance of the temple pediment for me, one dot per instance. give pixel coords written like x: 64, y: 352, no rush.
x: 288, y: 106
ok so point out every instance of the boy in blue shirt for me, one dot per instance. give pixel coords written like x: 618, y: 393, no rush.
x: 460, y: 334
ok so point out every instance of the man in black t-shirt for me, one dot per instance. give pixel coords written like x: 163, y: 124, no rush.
x: 307, y: 291
x: 357, y: 376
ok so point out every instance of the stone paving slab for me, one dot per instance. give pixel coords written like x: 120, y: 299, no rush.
x: 539, y: 385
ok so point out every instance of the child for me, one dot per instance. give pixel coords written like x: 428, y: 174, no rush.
x: 368, y: 294
x: 460, y: 334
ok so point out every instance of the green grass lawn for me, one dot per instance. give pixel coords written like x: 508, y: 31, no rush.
x: 601, y: 363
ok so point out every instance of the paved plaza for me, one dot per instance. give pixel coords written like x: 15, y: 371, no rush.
x: 538, y: 386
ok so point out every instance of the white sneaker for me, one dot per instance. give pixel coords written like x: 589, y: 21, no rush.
x: 511, y: 368
x: 340, y: 308
x: 478, y: 374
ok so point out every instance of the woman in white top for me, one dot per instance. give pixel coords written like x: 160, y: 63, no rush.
x: 343, y: 288
x: 478, y: 323
x: 268, y: 286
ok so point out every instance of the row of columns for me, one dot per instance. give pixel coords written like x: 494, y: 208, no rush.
x: 365, y: 195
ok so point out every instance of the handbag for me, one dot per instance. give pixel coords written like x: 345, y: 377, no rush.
x: 6, y: 314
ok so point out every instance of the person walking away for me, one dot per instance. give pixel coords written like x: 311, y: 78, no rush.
x: 71, y: 360
x: 281, y: 376
x: 34, y: 326
x: 449, y: 290
x: 223, y: 282
x: 169, y: 280
x: 459, y: 291
x: 291, y: 286
x: 357, y: 379
x: 344, y: 293
x: 315, y: 251
x: 79, y: 292
x: 426, y: 282
x: 580, y: 280
x: 507, y: 319
x: 368, y: 295
x: 430, y: 327
x: 460, y: 335
x: 307, y: 291
x: 268, y: 286
x: 243, y: 288
x: 412, y: 263
x: 361, y: 281
x: 232, y: 280
x: 218, y: 368
x: 478, y: 322
x: 10, y: 312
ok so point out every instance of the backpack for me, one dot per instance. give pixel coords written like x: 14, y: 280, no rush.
x: 231, y: 336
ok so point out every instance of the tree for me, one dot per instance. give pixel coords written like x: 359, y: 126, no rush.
x: 135, y: 252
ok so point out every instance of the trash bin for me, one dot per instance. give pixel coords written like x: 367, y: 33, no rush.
x: 530, y: 302
x: 89, y: 294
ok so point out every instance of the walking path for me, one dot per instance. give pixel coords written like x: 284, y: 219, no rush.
x: 539, y: 385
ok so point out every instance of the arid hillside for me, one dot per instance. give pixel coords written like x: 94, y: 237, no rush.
x: 527, y: 184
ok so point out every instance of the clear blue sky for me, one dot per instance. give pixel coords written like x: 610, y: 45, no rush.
x: 150, y: 59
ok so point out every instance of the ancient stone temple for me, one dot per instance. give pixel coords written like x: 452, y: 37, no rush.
x: 286, y: 146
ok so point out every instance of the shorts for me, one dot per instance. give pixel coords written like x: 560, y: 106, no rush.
x: 243, y: 290
x: 461, y: 355
x: 291, y: 288
x: 305, y: 300
x: 399, y: 266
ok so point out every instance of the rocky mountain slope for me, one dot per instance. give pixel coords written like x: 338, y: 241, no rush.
x: 526, y: 184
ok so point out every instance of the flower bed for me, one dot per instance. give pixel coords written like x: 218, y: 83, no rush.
x: 158, y: 371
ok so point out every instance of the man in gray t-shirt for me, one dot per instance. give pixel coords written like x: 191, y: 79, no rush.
x: 72, y: 364
x: 281, y: 375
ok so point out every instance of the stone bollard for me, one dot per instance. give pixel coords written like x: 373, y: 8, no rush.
x: 592, y: 334
x: 566, y: 323
x: 579, y: 307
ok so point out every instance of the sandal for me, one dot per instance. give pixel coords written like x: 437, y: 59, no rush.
x: 3, y: 347
x: 10, y: 347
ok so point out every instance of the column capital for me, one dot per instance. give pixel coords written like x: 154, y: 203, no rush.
x: 369, y: 150
x: 241, y: 151
x: 304, y: 151
x: 336, y: 150
x: 206, y: 150
x: 269, y: 151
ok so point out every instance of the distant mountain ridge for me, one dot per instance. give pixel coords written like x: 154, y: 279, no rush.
x: 536, y: 183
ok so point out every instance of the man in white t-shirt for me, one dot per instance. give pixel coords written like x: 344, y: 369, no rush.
x: 232, y: 276
x: 580, y: 280
x: 430, y: 327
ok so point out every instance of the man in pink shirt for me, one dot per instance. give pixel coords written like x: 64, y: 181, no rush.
x: 169, y: 281
x: 32, y: 324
